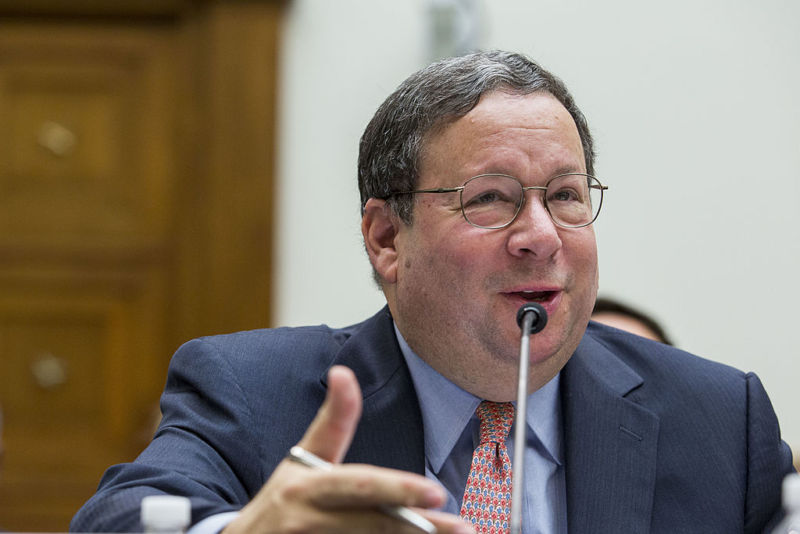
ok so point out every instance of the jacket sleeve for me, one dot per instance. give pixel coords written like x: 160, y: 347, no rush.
x: 203, y: 448
x: 769, y: 460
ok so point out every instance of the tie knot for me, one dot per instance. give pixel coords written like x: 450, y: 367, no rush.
x: 496, y: 419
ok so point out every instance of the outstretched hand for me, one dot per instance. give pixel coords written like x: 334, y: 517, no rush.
x: 346, y: 498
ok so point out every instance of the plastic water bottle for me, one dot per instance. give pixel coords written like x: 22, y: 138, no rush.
x: 791, y: 504
x: 166, y: 514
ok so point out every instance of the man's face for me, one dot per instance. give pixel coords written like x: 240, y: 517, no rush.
x: 457, y: 288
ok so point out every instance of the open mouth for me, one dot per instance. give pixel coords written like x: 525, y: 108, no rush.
x: 535, y: 296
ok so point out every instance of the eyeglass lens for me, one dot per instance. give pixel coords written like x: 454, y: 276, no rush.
x: 493, y: 201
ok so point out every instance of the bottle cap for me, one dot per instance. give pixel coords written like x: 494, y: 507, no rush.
x: 166, y: 512
x: 791, y: 492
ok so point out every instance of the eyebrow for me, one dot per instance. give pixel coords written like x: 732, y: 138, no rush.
x: 559, y: 171
x: 568, y: 170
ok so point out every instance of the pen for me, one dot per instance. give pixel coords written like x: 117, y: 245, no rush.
x: 302, y: 456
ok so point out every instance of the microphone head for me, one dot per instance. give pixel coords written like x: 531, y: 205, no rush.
x: 539, y: 316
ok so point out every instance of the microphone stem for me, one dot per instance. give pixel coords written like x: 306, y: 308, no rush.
x: 520, y: 426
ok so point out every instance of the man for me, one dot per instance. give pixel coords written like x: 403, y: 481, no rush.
x: 477, y: 197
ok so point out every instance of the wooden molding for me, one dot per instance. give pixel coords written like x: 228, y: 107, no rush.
x: 132, y: 8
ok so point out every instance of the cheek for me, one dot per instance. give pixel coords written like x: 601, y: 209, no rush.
x: 584, y: 248
x: 587, y: 260
x: 583, y: 260
x: 450, y: 246
x: 591, y: 276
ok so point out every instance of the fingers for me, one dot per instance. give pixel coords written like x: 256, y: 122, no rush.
x: 365, y: 486
x: 346, y: 498
x: 332, y: 430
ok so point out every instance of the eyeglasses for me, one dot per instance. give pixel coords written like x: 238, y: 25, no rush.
x: 494, y: 200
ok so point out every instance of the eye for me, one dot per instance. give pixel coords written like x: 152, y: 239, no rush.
x: 486, y: 197
x: 490, y: 192
x: 564, y: 195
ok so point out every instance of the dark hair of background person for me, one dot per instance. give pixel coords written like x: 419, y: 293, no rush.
x: 608, y: 305
x: 436, y: 96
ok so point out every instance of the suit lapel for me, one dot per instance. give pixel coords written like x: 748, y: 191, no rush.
x: 390, y: 433
x: 610, y: 444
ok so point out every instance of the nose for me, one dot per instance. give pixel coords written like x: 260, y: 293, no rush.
x: 533, y: 232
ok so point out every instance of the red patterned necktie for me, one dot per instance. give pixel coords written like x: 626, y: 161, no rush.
x: 487, y: 497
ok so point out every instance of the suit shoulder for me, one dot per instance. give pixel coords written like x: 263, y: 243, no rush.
x: 268, y: 351
x: 295, y: 336
x: 680, y: 378
x: 647, y: 356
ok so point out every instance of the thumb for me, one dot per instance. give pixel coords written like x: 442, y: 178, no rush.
x: 332, y: 430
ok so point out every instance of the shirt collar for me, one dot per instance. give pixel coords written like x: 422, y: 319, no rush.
x: 447, y: 410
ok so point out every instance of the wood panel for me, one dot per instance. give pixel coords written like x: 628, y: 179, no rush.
x: 86, y: 123
x: 80, y: 365
x: 136, y: 161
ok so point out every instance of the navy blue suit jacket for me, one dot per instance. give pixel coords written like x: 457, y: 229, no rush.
x: 656, y: 440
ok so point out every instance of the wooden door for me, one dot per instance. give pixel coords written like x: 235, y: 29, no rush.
x: 127, y: 141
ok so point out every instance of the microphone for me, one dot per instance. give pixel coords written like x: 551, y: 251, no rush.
x: 537, y: 314
x: 531, y: 319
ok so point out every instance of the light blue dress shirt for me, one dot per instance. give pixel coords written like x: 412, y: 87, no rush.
x: 451, y: 431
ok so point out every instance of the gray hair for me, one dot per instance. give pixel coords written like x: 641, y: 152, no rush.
x: 432, y: 98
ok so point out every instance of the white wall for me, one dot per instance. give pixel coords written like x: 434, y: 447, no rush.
x: 695, y: 109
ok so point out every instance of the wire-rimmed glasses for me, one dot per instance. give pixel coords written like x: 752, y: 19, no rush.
x: 492, y: 201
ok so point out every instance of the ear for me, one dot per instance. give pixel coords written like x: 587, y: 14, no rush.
x: 379, y: 226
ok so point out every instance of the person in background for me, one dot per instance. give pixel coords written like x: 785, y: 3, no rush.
x: 478, y: 196
x: 614, y: 313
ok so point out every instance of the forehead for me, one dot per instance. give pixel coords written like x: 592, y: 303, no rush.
x: 504, y: 131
